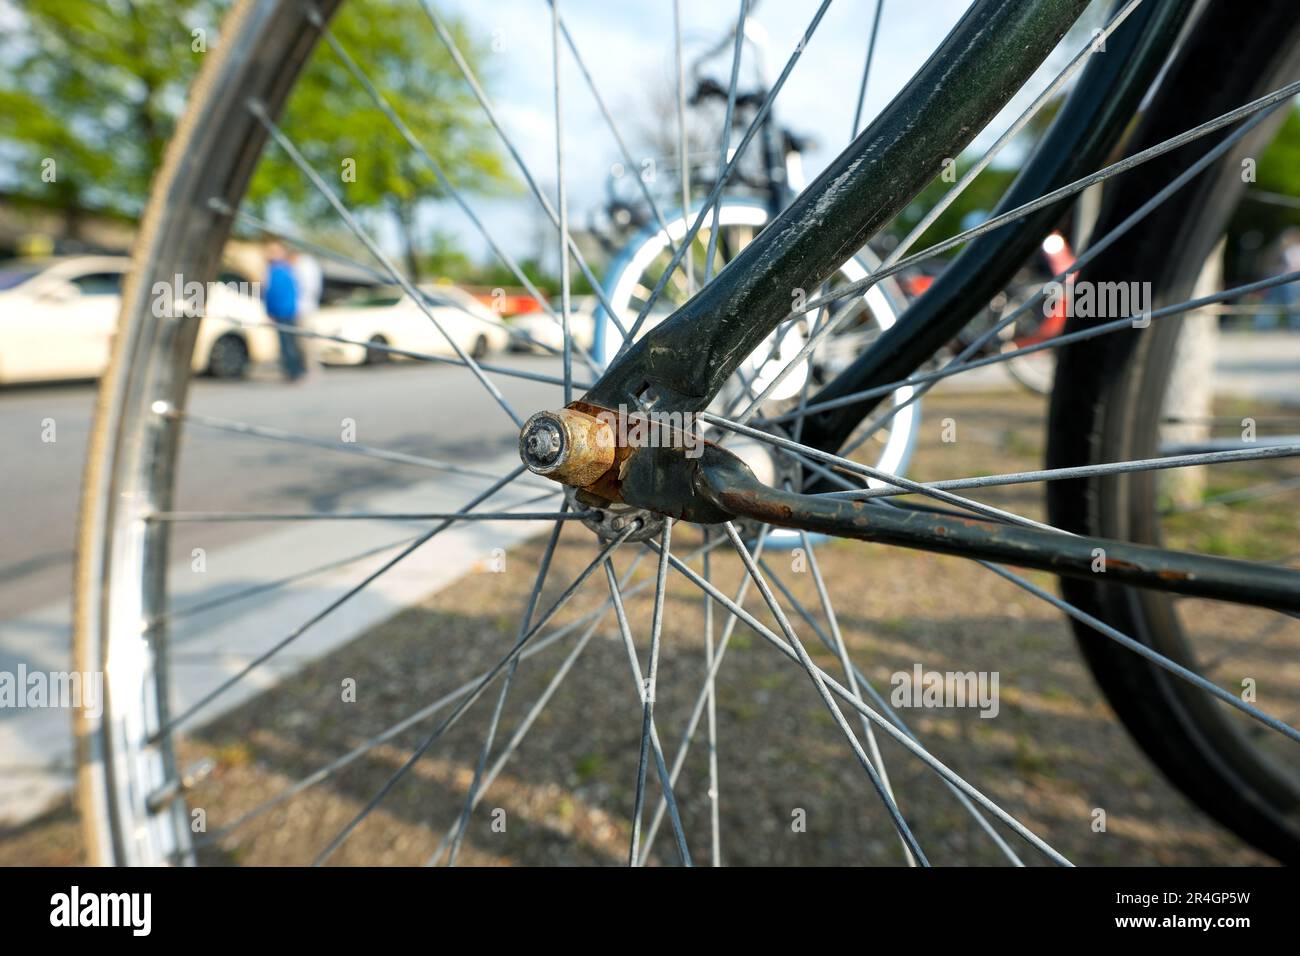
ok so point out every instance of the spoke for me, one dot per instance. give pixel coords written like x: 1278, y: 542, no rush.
x: 240, y: 595
x: 1277, y: 199
x: 259, y: 112
x: 319, y: 616
x: 722, y: 152
x: 1092, y: 253
x: 711, y: 722
x: 892, y: 261
x: 987, y: 511
x: 797, y: 433
x: 517, y: 737
x: 1206, y: 577
x: 178, y: 517
x: 1227, y: 444
x: 1086, y: 471
x: 613, y: 128
x: 866, y: 69
x: 262, y: 226
x: 214, y: 603
x: 435, y: 167
x: 1074, y: 66
x: 468, y: 700
x: 861, y: 285
x: 463, y: 65
x: 648, y: 704
x: 701, y: 699
x: 904, y: 831
x: 1155, y: 657
x: 850, y: 674
x: 715, y: 194
x: 1265, y: 102
x: 1253, y: 493
x: 351, y: 448
x: 324, y: 252
x: 562, y: 199
x: 1219, y: 420
x: 844, y: 694
x: 887, y: 709
x: 1057, y: 341
x: 629, y: 645
x: 833, y: 476
x: 683, y: 161
x: 1255, y: 642
x: 530, y: 608
x: 592, y: 617
x: 356, y: 753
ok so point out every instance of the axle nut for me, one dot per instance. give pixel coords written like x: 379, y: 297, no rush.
x: 567, y: 446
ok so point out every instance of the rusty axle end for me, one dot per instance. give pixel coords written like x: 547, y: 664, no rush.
x: 567, y: 446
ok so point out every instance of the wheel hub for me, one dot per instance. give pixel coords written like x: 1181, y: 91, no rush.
x: 567, y: 446
x: 610, y: 520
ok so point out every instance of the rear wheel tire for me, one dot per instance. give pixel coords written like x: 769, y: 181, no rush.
x: 1107, y: 405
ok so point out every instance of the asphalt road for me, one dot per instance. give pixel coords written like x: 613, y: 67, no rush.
x: 433, y: 411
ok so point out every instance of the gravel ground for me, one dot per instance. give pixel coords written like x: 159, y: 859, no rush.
x: 791, y: 792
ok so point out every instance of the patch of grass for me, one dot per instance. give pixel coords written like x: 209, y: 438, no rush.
x: 1029, y: 759
x: 588, y: 767
x: 237, y: 753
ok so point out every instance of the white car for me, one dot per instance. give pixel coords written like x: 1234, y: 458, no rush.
x: 58, y: 317
x: 545, y: 331
x: 387, y: 317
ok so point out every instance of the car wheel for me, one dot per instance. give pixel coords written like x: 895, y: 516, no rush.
x: 228, y: 358
x: 480, y: 349
x: 378, y: 356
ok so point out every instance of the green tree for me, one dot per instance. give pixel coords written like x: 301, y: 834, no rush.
x: 444, y: 258
x: 334, y: 123
x: 94, y: 86
x: 981, y: 196
x: 97, y: 86
x: 1270, y: 205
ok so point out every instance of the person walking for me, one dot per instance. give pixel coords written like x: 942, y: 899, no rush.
x: 281, y: 301
x: 309, y: 279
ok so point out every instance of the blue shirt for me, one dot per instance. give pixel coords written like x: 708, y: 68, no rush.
x: 281, y: 292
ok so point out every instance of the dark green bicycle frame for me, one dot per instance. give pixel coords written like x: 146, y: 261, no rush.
x: 983, y: 62
x: 681, y: 364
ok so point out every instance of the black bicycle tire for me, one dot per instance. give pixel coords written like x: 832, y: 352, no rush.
x: 1106, y: 404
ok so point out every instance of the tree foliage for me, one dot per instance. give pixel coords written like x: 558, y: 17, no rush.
x: 95, y: 86
x: 98, y: 85
x: 335, y: 124
x: 1270, y: 206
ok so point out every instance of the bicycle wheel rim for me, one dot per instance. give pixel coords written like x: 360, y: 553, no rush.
x: 119, y: 578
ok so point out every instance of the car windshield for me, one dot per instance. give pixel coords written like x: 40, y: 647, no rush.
x: 375, y: 297
x: 11, y: 278
x: 442, y: 295
x: 459, y: 298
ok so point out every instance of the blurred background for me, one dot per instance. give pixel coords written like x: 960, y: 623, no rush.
x: 90, y: 91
